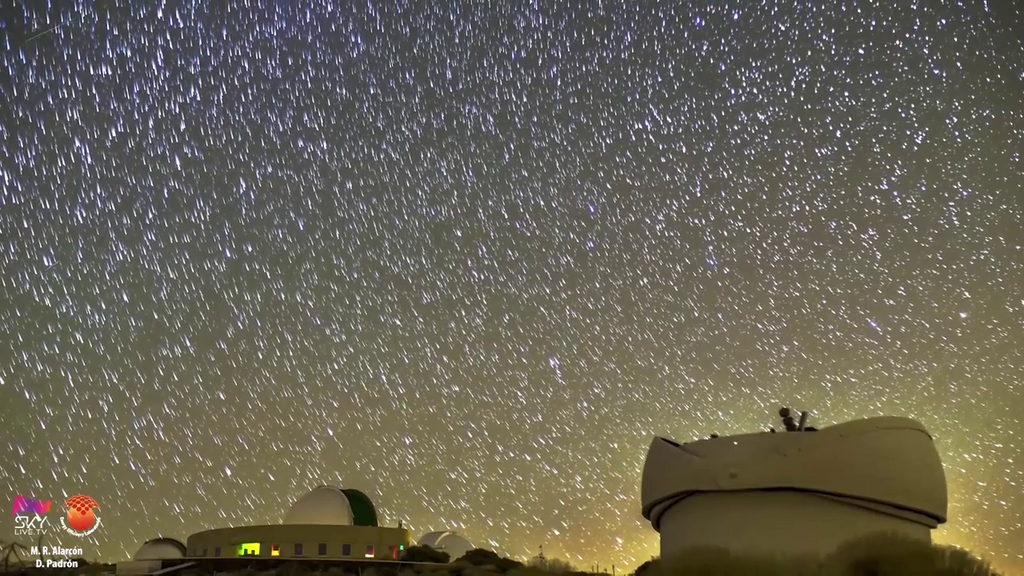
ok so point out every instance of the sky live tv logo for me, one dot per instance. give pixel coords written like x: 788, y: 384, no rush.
x: 29, y: 516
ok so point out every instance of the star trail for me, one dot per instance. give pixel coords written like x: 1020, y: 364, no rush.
x: 468, y: 257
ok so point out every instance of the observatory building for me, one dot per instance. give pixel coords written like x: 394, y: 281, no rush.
x: 448, y: 542
x: 803, y: 491
x: 327, y: 524
x: 159, y: 549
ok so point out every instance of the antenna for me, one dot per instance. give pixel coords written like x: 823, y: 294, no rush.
x: 787, y: 419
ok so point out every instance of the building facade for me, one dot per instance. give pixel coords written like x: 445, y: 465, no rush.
x: 300, y: 541
x: 327, y: 524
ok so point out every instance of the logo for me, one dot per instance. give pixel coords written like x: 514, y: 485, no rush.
x: 81, y: 520
x: 29, y: 516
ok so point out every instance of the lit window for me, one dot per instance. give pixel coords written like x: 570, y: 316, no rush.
x: 346, y: 549
x: 321, y: 549
x: 275, y: 549
x: 298, y: 549
x: 402, y: 547
x: 249, y: 549
x: 369, y: 550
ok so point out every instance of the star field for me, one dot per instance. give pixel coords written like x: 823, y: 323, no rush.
x: 469, y: 258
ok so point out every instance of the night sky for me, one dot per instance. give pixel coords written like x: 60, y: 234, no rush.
x: 469, y: 259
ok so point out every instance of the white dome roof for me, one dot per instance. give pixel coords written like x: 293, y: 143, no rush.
x: 449, y: 542
x: 834, y: 485
x: 322, y: 505
x: 890, y: 461
x: 160, y: 549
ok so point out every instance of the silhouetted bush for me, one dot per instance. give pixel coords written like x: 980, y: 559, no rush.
x: 647, y: 568
x: 528, y: 571
x: 712, y: 561
x: 483, y: 558
x: 876, y: 555
x: 896, y: 555
x: 425, y: 554
x: 383, y: 571
x: 478, y: 571
x: 552, y: 565
x: 293, y: 569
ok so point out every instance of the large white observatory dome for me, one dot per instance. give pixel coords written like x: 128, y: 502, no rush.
x: 160, y: 549
x: 800, y: 492
x: 322, y: 505
x: 448, y: 542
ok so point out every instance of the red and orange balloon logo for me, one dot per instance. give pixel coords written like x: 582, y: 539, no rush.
x: 80, y: 514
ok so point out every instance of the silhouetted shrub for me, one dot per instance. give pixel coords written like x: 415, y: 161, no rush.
x: 712, y: 561
x: 648, y: 568
x: 552, y: 565
x: 483, y: 558
x: 897, y: 555
x: 293, y: 569
x: 425, y: 554
x: 478, y: 571
x: 383, y: 570
x: 527, y: 571
x: 876, y: 555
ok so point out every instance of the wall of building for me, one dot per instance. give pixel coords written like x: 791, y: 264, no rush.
x: 775, y: 522
x: 137, y: 567
x: 315, y: 541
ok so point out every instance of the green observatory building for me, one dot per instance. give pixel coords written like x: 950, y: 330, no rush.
x: 326, y: 524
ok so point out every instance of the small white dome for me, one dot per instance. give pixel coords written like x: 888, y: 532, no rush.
x: 449, y: 542
x: 323, y: 505
x: 160, y: 549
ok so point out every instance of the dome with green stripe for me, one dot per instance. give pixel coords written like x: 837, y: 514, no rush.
x: 331, y: 505
x: 363, y: 512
